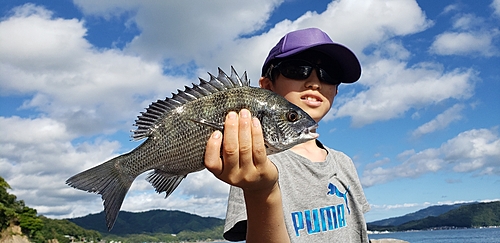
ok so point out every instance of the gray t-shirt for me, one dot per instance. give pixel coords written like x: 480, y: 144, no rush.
x: 322, y: 201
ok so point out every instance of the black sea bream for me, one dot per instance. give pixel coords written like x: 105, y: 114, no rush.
x: 176, y: 131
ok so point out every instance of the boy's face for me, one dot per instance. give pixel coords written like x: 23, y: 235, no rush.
x: 311, y: 95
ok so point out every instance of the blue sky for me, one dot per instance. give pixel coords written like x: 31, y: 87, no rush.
x: 422, y: 123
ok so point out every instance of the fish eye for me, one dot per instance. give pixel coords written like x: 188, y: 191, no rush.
x: 292, y: 116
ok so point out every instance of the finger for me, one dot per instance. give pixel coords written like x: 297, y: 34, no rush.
x: 258, y: 146
x: 230, y: 146
x: 245, y: 138
x: 213, y: 161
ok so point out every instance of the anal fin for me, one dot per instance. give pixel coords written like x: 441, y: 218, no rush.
x: 164, y: 182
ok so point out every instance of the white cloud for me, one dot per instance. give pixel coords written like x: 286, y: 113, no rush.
x: 467, y: 21
x: 200, y: 193
x: 58, y: 41
x: 496, y: 7
x: 393, y: 88
x: 441, y: 121
x: 468, y: 201
x: 451, y: 8
x: 33, y: 131
x: 89, y: 90
x: 397, y: 206
x: 470, y: 35
x: 417, y: 164
x: 36, y: 158
x: 464, y: 43
x: 476, y: 150
x: 181, y: 30
x: 377, y: 163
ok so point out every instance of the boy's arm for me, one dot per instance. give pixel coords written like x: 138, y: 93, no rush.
x: 245, y: 165
x: 265, y: 220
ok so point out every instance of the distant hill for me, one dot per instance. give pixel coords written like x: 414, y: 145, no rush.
x: 150, y: 222
x: 420, y: 214
x: 465, y: 216
x: 474, y: 215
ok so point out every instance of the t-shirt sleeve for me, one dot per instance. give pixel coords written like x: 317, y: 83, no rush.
x: 235, y: 227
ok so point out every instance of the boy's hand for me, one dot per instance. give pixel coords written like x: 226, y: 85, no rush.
x: 244, y: 161
x: 244, y: 164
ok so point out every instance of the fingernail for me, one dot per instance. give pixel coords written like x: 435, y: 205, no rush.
x: 232, y: 115
x: 244, y: 113
x: 216, y: 135
x: 255, y: 122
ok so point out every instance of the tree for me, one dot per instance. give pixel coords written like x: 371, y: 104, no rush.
x: 37, y: 228
x: 30, y: 222
x: 8, y: 205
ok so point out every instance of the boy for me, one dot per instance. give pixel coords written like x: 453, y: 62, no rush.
x: 309, y: 193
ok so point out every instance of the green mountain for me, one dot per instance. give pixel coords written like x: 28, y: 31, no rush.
x: 420, y: 214
x: 149, y: 222
x: 465, y: 216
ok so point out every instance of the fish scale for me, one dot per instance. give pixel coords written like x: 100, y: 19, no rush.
x: 176, y: 131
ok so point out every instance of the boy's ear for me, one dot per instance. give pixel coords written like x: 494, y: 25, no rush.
x: 266, y: 83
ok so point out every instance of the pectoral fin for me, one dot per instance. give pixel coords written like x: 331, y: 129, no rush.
x: 214, y: 125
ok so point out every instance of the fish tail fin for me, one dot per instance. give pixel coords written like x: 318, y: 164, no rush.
x: 107, y: 180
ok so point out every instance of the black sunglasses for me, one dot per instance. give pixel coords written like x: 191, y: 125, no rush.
x: 299, y: 70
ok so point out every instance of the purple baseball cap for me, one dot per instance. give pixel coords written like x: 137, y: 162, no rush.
x: 315, y: 39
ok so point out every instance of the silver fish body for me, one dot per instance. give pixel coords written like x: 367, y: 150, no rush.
x: 176, y: 131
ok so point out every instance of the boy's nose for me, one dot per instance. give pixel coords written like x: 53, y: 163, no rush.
x: 313, y: 85
x: 313, y: 81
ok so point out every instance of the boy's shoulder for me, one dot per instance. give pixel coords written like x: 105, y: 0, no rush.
x: 335, y: 153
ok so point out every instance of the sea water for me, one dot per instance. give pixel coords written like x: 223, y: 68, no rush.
x: 477, y: 235
x: 483, y: 235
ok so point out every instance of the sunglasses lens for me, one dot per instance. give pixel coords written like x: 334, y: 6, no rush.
x: 298, y: 70
x: 323, y: 76
x: 301, y: 69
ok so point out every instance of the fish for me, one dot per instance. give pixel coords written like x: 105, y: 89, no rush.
x: 177, y: 129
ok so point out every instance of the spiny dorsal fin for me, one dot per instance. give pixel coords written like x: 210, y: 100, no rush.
x: 148, y: 120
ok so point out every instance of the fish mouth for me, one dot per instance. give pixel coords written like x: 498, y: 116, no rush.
x: 310, y: 132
